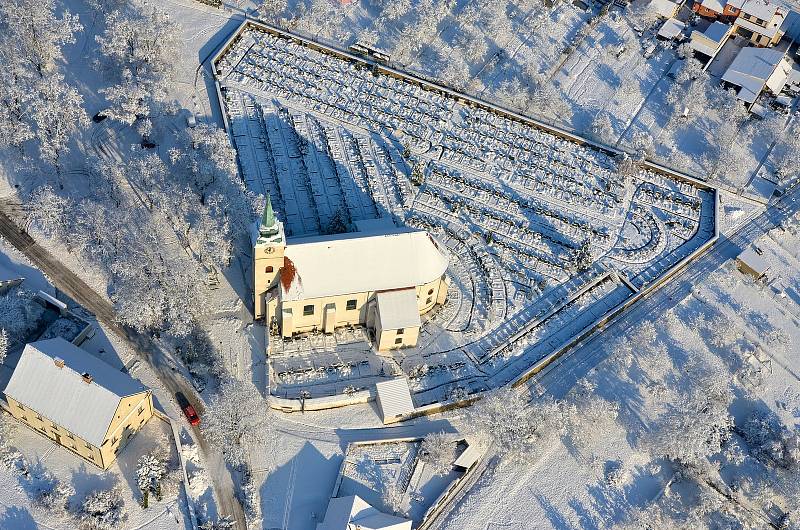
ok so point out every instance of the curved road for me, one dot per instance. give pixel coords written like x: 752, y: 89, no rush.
x: 68, y: 282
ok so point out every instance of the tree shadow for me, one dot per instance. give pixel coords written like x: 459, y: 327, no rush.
x: 17, y: 518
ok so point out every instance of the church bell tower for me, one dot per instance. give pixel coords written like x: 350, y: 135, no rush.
x: 268, y: 254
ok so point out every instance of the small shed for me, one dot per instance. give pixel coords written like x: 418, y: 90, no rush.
x: 751, y: 262
x: 671, y: 29
x: 394, y: 399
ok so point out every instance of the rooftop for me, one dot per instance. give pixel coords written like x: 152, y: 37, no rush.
x: 394, y: 397
x: 751, y: 69
x: 62, y: 395
x: 342, y: 511
x: 354, y: 263
x: 398, y: 308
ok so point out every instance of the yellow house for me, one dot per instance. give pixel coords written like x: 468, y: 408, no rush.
x: 383, y: 279
x: 77, y: 400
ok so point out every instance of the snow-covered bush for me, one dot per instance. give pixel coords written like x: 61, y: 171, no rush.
x: 19, y: 314
x: 695, y: 428
x: 770, y: 441
x: 48, y: 212
x: 4, y: 344
x: 150, y: 470
x: 55, y: 498
x: 439, y: 452
x: 251, y: 500
x: 514, y: 426
x: 103, y: 510
x: 225, y: 523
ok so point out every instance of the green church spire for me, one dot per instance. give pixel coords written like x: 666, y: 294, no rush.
x: 268, y: 224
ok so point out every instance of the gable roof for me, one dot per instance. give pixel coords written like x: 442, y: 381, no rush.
x: 342, y: 511
x: 751, y: 69
x: 61, y: 394
x: 713, y: 5
x: 354, y: 263
x: 394, y: 398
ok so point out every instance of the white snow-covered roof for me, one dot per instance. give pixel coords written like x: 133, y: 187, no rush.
x: 394, y: 398
x: 713, y: 5
x: 62, y: 395
x: 711, y: 40
x: 751, y: 69
x: 353, y: 512
x: 671, y: 28
x: 754, y: 261
x: 398, y: 308
x: 665, y: 8
x: 760, y: 8
x: 355, y: 263
x: 470, y: 455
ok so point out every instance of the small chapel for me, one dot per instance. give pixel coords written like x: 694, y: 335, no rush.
x: 381, y: 277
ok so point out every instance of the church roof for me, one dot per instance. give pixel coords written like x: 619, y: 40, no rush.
x: 353, y: 263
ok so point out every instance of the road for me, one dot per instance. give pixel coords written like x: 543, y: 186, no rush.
x: 558, y: 378
x: 69, y: 283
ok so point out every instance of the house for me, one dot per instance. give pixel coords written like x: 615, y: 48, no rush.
x: 760, y: 22
x: 394, y: 399
x: 751, y: 262
x: 77, y: 400
x: 664, y: 8
x: 354, y: 513
x: 755, y: 70
x: 710, y: 41
x: 383, y: 278
x: 671, y: 29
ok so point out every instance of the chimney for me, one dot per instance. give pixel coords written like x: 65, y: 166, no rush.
x: 87, y: 378
x: 59, y: 362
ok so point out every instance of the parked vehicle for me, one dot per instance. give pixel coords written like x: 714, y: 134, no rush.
x: 188, y: 409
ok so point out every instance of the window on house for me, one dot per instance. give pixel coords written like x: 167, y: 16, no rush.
x: 116, y: 451
x: 20, y: 405
x: 88, y: 445
x: 351, y: 304
x: 430, y: 291
x: 23, y: 418
x: 400, y: 331
x: 428, y: 301
x: 69, y: 435
x: 39, y: 417
x: 114, y: 440
x: 269, y: 269
x: 398, y: 340
x: 141, y: 409
x: 308, y: 310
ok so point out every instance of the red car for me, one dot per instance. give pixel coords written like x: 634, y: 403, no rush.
x: 188, y: 409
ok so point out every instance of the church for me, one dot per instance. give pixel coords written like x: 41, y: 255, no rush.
x: 382, y: 278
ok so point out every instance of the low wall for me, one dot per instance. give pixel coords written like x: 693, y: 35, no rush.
x: 320, y: 403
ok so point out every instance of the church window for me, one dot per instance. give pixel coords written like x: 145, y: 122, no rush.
x: 308, y: 310
x: 400, y: 331
x: 269, y: 269
x: 430, y: 291
x: 398, y: 340
x: 351, y: 304
x: 428, y: 301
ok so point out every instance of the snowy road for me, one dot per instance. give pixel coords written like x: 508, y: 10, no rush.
x: 68, y: 282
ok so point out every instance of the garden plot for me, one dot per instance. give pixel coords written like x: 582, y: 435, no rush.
x: 391, y: 477
x: 544, y: 232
